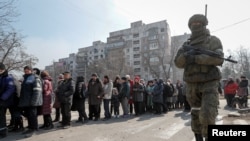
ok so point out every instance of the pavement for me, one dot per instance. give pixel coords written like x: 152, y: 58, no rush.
x: 173, y: 126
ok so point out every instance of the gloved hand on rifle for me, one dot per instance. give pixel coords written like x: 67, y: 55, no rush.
x: 190, y: 55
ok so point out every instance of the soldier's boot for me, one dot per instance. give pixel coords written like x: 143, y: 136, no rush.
x: 198, y: 137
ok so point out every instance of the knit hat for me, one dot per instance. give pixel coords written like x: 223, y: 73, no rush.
x: 2, y: 66
x: 94, y: 74
x: 137, y: 78
x: 124, y: 78
x: 37, y: 71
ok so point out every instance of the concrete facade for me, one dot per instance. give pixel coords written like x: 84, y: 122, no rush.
x: 144, y: 50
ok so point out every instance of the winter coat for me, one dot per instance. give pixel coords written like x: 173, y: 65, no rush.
x: 149, y: 90
x: 231, y: 88
x: 95, y: 90
x: 57, y: 103
x: 243, y: 88
x: 66, y: 90
x: 158, y: 92
x: 138, y: 92
x: 107, y: 90
x: 7, y: 90
x: 31, y: 91
x: 131, y: 84
x: 79, y: 96
x: 47, y: 96
x: 125, y: 91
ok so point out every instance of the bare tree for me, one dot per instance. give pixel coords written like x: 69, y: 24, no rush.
x: 7, y: 13
x: 13, y: 54
x: 242, y: 55
x: 155, y: 54
x: 113, y: 64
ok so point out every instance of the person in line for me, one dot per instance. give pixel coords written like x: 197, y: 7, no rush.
x: 7, y: 89
x: 157, y: 96
x: 124, y: 96
x: 79, y: 99
x: 107, y: 87
x: 149, y: 89
x: 95, y: 93
x: 16, y: 121
x: 46, y: 108
x: 65, y: 96
x: 115, y: 102
x: 117, y: 85
x: 31, y: 98
x: 130, y: 99
x: 56, y: 104
x: 138, y: 96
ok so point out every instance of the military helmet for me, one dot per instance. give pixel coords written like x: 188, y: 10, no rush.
x: 198, y: 18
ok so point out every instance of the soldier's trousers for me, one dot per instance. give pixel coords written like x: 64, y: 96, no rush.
x: 203, y: 99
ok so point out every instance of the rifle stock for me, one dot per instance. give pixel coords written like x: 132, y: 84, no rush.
x: 207, y: 52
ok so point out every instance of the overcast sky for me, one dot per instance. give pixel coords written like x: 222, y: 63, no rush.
x: 55, y: 28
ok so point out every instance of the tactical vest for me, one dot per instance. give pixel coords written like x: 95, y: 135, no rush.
x: 194, y: 73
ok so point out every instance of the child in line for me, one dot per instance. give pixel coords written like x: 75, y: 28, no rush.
x: 115, y: 102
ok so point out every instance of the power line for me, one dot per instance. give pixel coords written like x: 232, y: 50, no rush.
x: 228, y: 26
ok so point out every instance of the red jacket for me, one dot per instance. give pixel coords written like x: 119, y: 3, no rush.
x: 231, y: 88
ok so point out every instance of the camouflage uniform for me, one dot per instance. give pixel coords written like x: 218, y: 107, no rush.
x: 201, y: 75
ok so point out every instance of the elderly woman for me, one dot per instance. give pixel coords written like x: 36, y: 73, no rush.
x: 46, y: 108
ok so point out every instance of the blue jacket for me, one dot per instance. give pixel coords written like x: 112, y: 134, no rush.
x: 158, y: 93
x: 7, y: 89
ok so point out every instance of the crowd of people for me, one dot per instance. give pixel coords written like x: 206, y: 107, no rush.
x: 35, y: 96
x: 236, y: 92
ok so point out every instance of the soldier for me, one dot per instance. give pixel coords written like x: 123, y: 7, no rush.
x: 201, y: 75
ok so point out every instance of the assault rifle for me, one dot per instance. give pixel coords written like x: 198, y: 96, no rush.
x: 207, y: 52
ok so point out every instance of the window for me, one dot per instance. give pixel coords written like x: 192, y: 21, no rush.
x: 128, y: 50
x: 136, y: 55
x: 90, y: 58
x: 136, y: 48
x: 162, y: 29
x: 102, y: 50
x: 153, y: 37
x: 96, y: 57
x: 95, y: 50
x: 154, y: 59
x: 136, y: 35
x: 90, y: 52
x: 136, y: 42
x: 137, y: 62
x: 137, y: 69
x: 153, y: 46
x: 101, y: 56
